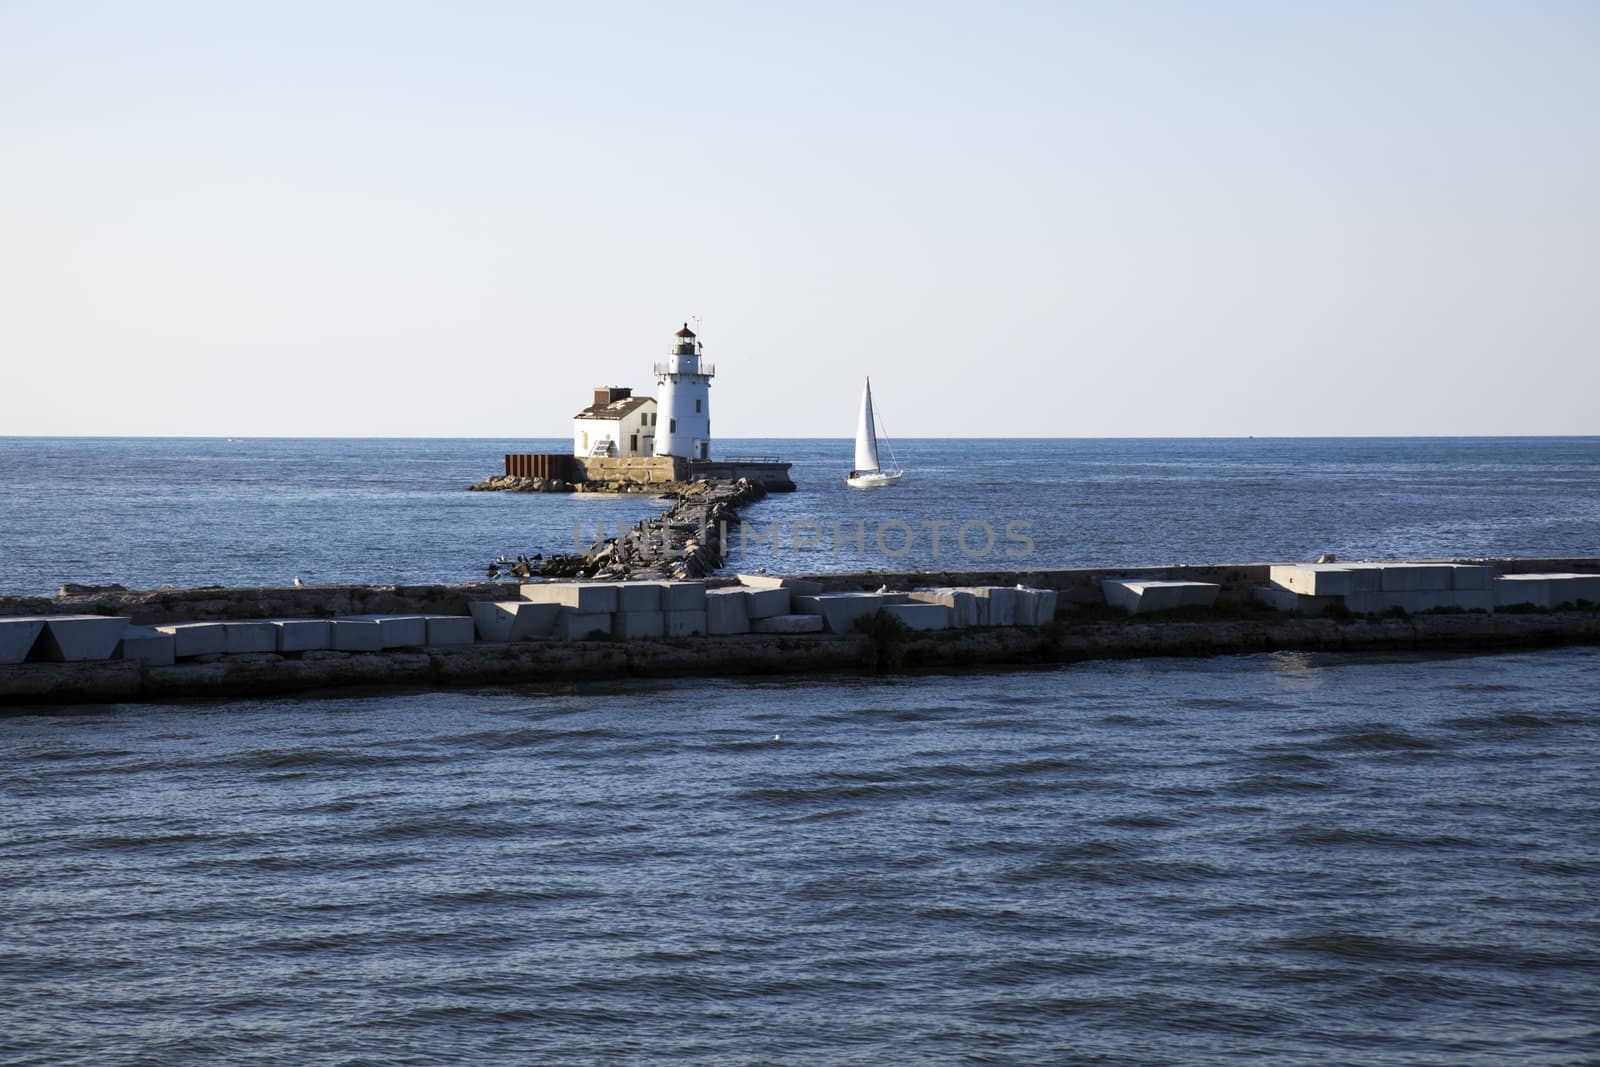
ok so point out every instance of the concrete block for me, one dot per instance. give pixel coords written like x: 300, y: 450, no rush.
x: 581, y: 625
x: 398, y: 631
x: 1532, y: 589
x: 513, y: 620
x: 638, y: 624
x: 1474, y: 599
x: 728, y: 610
x: 446, y: 630
x: 249, y: 637
x: 1414, y: 577
x: 964, y: 608
x: 997, y: 605
x: 303, y: 635
x: 766, y: 603
x: 1140, y: 597
x: 1325, y: 579
x: 1035, y: 607
x: 585, y: 598
x: 839, y: 611
x: 963, y: 604
x: 683, y: 596
x: 18, y: 635
x: 787, y: 624
x: 146, y: 645
x: 921, y: 616
x: 196, y: 638
x: 1125, y: 594
x: 356, y: 635
x: 73, y: 638
x: 1571, y: 588
x: 1026, y: 611
x: 686, y: 623
x: 1284, y: 600
x: 1471, y: 576
x: 639, y: 596
x: 1367, y: 602
x: 1417, y: 600
x: 795, y: 586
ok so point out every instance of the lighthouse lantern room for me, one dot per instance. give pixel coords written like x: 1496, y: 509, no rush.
x: 683, y: 400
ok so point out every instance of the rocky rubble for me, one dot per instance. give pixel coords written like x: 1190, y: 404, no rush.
x: 512, y: 483
x: 686, y: 542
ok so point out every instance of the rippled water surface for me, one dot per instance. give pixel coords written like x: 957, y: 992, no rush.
x: 1300, y: 859
x: 188, y: 512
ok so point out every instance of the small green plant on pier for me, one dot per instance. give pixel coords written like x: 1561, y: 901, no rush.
x: 886, y: 640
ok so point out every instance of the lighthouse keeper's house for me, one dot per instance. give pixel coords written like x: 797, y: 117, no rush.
x: 616, y: 424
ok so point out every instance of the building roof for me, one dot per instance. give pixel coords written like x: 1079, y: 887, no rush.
x: 616, y: 409
x: 685, y: 332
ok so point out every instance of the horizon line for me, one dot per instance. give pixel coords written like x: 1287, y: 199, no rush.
x: 950, y: 437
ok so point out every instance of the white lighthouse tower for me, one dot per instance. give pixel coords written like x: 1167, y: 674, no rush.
x: 683, y: 400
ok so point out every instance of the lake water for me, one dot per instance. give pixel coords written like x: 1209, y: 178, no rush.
x: 1292, y: 858
x: 188, y: 512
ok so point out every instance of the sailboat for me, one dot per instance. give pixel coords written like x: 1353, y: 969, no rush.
x: 869, y: 472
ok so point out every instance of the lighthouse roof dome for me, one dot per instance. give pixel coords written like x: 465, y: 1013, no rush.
x: 685, y: 332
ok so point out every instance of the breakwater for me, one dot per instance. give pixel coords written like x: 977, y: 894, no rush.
x: 255, y: 674
x: 685, y: 542
x: 629, y: 638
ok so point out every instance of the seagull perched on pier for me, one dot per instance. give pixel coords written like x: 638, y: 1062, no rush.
x: 883, y: 588
x: 297, y: 582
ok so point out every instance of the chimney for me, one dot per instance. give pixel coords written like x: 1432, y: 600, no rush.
x: 611, y: 394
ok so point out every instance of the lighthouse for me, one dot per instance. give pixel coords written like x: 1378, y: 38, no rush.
x: 683, y: 400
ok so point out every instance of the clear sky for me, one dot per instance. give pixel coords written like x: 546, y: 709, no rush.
x: 1113, y: 219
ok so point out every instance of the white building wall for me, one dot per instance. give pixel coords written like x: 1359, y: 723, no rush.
x: 637, y: 424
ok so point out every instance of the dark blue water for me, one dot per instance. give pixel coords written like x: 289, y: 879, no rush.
x: 186, y: 512
x: 1289, y: 858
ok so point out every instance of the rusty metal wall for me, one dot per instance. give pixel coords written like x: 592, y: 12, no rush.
x: 540, y: 465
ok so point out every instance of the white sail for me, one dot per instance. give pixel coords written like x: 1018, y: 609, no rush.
x: 866, y: 434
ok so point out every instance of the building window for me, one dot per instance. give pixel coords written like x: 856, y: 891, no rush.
x: 585, y: 445
x: 697, y: 407
x: 633, y: 443
x: 672, y: 425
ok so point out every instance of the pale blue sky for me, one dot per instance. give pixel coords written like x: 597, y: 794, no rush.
x: 1054, y: 219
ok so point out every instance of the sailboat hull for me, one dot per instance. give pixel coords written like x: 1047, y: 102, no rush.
x: 873, y: 479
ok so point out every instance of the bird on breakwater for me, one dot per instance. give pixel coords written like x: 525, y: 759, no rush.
x: 777, y: 737
x: 883, y: 588
x: 297, y: 582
